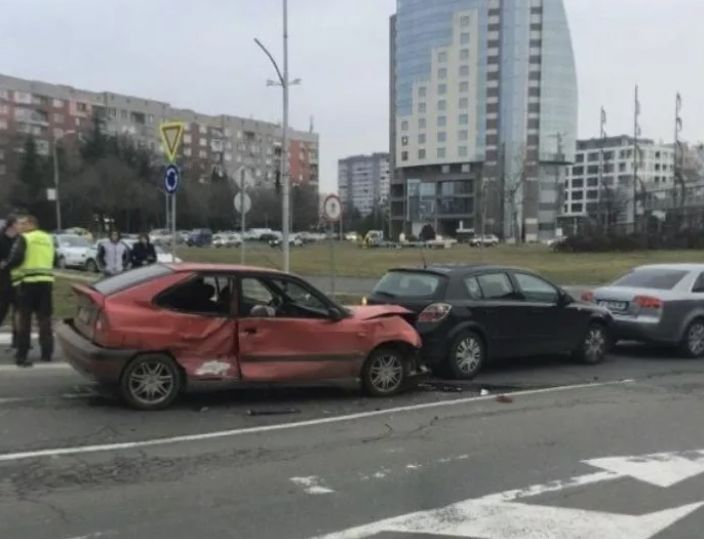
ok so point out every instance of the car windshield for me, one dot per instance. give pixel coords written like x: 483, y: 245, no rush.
x: 73, y: 241
x: 408, y: 284
x: 130, y: 278
x: 655, y: 278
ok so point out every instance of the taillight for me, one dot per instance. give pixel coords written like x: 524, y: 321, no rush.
x: 435, y: 312
x: 648, y: 302
x: 100, y: 326
x: 588, y: 297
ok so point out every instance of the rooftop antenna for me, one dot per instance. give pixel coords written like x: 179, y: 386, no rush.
x: 312, y: 124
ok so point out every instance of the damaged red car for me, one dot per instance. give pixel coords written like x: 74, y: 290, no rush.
x: 152, y: 331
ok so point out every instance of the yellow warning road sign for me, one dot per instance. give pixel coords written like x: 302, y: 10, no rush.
x: 171, y: 135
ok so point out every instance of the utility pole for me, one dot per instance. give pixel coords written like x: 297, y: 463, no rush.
x: 57, y: 176
x: 678, y: 153
x: 602, y: 143
x: 636, y: 155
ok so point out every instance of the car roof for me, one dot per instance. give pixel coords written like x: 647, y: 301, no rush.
x: 210, y: 267
x: 690, y: 266
x: 450, y: 269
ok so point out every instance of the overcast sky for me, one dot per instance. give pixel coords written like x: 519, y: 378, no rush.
x: 201, y: 55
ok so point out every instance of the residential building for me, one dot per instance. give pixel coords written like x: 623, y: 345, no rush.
x: 483, y: 115
x: 214, y: 144
x: 601, y: 179
x: 363, y: 182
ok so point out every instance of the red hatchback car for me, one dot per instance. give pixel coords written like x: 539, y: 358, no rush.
x: 152, y: 330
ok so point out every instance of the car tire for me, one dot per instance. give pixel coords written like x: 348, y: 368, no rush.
x: 467, y: 356
x: 594, y: 346
x: 384, y: 372
x: 692, y: 344
x: 91, y: 266
x: 151, y: 382
x: 61, y: 263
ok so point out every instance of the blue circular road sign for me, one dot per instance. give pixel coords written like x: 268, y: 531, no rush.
x: 172, y: 178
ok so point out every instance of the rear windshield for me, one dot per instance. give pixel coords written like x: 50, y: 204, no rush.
x: 658, y: 279
x: 408, y: 284
x: 130, y: 278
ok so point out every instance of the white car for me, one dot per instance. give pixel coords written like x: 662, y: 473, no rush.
x: 160, y: 236
x: 71, y: 250
x: 162, y: 256
x: 227, y: 239
x: 488, y: 240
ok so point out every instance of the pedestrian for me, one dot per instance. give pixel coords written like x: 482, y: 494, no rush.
x: 113, y: 255
x: 8, y: 234
x: 143, y: 252
x: 31, y: 262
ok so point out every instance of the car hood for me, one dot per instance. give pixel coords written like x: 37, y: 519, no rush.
x: 74, y: 250
x: 367, y: 312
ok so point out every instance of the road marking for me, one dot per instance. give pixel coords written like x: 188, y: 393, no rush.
x: 68, y: 396
x: 53, y: 366
x: 82, y: 449
x: 6, y: 337
x: 311, y: 485
x: 659, y: 469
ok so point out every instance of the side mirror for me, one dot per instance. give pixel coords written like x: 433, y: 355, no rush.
x: 335, y: 315
x: 564, y: 299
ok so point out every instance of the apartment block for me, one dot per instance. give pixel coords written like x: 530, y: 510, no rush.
x: 363, y: 182
x: 217, y: 145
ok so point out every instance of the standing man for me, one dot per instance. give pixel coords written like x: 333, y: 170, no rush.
x: 113, y: 255
x: 8, y: 234
x: 143, y: 252
x: 32, y: 263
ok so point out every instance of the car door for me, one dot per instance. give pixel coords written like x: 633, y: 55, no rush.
x: 551, y: 327
x: 285, y: 332
x: 502, y: 312
x: 197, y: 315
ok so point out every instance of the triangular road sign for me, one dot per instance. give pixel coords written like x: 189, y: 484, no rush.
x: 171, y: 135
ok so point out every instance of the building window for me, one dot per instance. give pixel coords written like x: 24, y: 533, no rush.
x: 442, y: 89
x: 421, y: 91
x: 58, y: 118
x: 577, y: 171
x: 441, y: 153
x: 421, y: 154
x: 442, y: 136
x: 442, y: 121
x: 404, y: 125
x: 404, y: 141
x: 123, y: 114
x: 464, y: 86
x: 464, y: 20
x: 203, y: 129
x: 442, y: 73
x: 421, y: 108
x: 462, y: 151
x: 203, y: 142
x: 421, y: 138
x: 187, y: 152
x: 464, y: 38
x: 442, y: 57
x: 202, y: 154
x: 57, y: 103
x: 186, y: 139
x: 579, y: 158
x: 464, y: 102
x: 421, y: 123
x: 464, y: 54
x: 463, y: 134
x: 464, y: 71
x: 577, y: 208
x: 404, y: 156
x: 442, y: 105
x: 3, y: 124
x: 464, y: 119
x: 81, y: 107
x: 577, y: 184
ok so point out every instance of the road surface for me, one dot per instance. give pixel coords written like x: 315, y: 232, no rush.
x: 551, y: 457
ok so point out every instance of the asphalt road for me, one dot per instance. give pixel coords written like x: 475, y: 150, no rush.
x: 442, y: 459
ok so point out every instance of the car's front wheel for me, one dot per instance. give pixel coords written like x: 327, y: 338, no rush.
x: 692, y: 344
x: 151, y: 382
x: 467, y: 356
x: 595, y: 345
x: 61, y: 262
x: 91, y: 266
x: 384, y: 373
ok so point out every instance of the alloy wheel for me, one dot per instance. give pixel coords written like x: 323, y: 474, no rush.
x: 386, y: 372
x: 151, y: 383
x: 595, y: 344
x: 695, y: 339
x: 468, y: 355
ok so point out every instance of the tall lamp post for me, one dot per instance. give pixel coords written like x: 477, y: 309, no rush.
x: 57, y: 179
x: 286, y: 188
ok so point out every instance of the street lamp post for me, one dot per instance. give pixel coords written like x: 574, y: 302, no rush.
x: 285, y: 181
x: 57, y: 179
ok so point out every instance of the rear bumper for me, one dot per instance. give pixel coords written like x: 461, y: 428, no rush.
x: 103, y: 365
x: 633, y: 329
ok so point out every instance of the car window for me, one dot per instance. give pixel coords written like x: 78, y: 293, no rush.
x: 474, y: 291
x: 299, y: 295
x: 495, y: 286
x: 128, y: 279
x: 282, y: 297
x: 408, y: 284
x: 205, y: 294
x: 655, y: 278
x: 535, y: 289
x: 73, y: 241
x: 698, y: 285
x: 255, y: 292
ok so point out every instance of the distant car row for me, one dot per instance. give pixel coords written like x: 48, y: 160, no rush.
x: 204, y: 237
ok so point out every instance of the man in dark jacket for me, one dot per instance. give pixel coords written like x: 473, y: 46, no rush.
x: 143, y: 252
x: 8, y: 234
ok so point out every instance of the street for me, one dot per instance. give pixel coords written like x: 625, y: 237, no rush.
x: 519, y: 459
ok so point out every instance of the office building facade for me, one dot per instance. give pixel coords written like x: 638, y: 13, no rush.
x: 483, y: 115
x: 212, y: 144
x: 363, y: 182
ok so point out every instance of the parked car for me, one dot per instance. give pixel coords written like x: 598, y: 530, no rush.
x: 227, y: 239
x: 225, y: 323
x: 352, y: 236
x: 200, y: 237
x: 162, y: 255
x: 488, y: 240
x: 661, y: 304
x: 467, y: 315
x: 79, y: 231
x: 160, y: 236
x: 293, y: 240
x: 71, y: 250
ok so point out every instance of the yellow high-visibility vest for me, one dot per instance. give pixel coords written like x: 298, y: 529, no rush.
x: 38, y: 265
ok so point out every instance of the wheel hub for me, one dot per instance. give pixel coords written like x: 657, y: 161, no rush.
x: 468, y: 354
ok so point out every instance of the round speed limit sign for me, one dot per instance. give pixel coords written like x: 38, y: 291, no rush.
x: 332, y: 208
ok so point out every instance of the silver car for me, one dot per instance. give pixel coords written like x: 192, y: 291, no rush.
x: 660, y: 304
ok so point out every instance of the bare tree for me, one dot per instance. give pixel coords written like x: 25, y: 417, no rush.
x: 513, y: 190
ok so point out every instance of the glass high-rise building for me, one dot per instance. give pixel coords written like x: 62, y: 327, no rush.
x: 483, y: 115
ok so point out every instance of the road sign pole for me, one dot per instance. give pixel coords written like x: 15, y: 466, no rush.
x: 332, y: 259
x: 242, y: 215
x: 173, y: 226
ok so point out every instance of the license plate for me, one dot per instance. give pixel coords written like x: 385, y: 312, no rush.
x: 618, y: 306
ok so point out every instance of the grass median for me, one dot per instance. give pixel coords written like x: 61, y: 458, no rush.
x: 351, y: 261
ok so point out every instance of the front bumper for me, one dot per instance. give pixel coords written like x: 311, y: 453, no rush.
x: 100, y: 364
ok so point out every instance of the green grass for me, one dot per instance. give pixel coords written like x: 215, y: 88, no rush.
x: 564, y: 268
x: 64, y: 298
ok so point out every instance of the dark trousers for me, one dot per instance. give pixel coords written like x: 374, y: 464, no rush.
x: 7, y: 301
x: 34, y: 298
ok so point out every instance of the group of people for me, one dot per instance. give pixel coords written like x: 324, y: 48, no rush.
x: 27, y: 261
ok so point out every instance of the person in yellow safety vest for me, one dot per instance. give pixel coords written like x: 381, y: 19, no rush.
x: 32, y: 259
